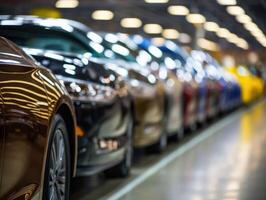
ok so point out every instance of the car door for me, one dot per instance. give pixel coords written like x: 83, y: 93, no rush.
x: 1, y: 136
x: 26, y: 120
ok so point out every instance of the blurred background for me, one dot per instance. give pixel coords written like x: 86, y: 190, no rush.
x: 233, y: 31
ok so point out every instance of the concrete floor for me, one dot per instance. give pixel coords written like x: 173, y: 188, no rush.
x: 226, y: 160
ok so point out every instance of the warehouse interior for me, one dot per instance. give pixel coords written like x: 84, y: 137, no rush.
x: 166, y: 99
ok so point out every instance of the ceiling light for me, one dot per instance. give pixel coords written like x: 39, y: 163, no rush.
x: 251, y: 26
x: 158, y: 41
x: 211, y: 26
x: 184, y: 38
x: 195, y: 18
x: 66, y: 3
x: 170, y: 34
x: 227, y: 2
x: 207, y: 44
x: 243, y: 18
x: 242, y: 43
x: 102, y: 15
x: 156, y: 1
x: 178, y: 10
x: 235, y: 10
x: 131, y: 23
x: 223, y: 33
x: 257, y: 34
x: 232, y: 38
x: 152, y: 28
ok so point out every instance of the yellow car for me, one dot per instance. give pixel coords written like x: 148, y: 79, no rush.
x: 252, y: 87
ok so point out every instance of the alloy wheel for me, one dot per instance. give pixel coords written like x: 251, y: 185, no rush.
x: 57, y: 167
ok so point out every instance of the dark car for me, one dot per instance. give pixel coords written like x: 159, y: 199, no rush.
x: 100, y: 96
x: 37, y: 129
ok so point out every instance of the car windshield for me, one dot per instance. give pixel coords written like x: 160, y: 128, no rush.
x: 55, y: 39
x: 41, y: 38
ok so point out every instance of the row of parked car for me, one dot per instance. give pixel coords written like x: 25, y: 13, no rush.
x: 77, y: 102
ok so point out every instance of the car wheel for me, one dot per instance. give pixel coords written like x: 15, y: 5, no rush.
x: 57, y: 169
x: 180, y: 134
x: 161, y: 145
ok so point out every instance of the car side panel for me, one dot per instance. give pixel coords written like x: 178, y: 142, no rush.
x: 1, y: 136
x: 26, y: 127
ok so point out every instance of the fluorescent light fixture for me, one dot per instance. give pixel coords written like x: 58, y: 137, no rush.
x: 131, y: 23
x: 195, y: 18
x: 242, y: 43
x: 257, y: 34
x: 211, y: 26
x: 184, y: 38
x: 207, y: 44
x: 66, y: 3
x: 158, y: 40
x: 178, y: 10
x: 232, y: 38
x: 170, y: 34
x: 156, y: 1
x: 243, y: 19
x: 152, y: 28
x: 102, y: 15
x: 223, y: 33
x: 227, y: 2
x: 251, y: 26
x: 235, y: 10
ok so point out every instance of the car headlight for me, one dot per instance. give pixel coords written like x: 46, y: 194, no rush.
x: 87, y: 91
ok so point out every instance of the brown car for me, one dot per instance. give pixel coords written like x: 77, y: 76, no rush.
x: 37, y: 129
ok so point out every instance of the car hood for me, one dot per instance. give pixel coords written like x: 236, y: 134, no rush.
x: 75, y: 66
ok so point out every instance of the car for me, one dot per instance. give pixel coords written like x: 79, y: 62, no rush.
x: 151, y: 57
x: 230, y: 92
x: 258, y: 80
x: 37, y: 129
x: 251, y: 86
x: 195, y: 86
x: 102, y: 102
x: 142, y: 59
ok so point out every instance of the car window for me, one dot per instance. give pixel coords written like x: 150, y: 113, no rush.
x: 40, y: 38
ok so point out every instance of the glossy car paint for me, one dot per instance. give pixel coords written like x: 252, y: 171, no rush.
x: 194, y: 90
x: 148, y: 94
x: 251, y: 86
x: 173, y: 86
x: 30, y: 98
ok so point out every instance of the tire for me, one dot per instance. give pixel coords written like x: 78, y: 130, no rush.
x: 161, y: 145
x: 193, y: 127
x: 57, y: 174
x: 179, y: 134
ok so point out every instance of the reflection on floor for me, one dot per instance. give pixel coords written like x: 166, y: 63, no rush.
x: 229, y: 164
